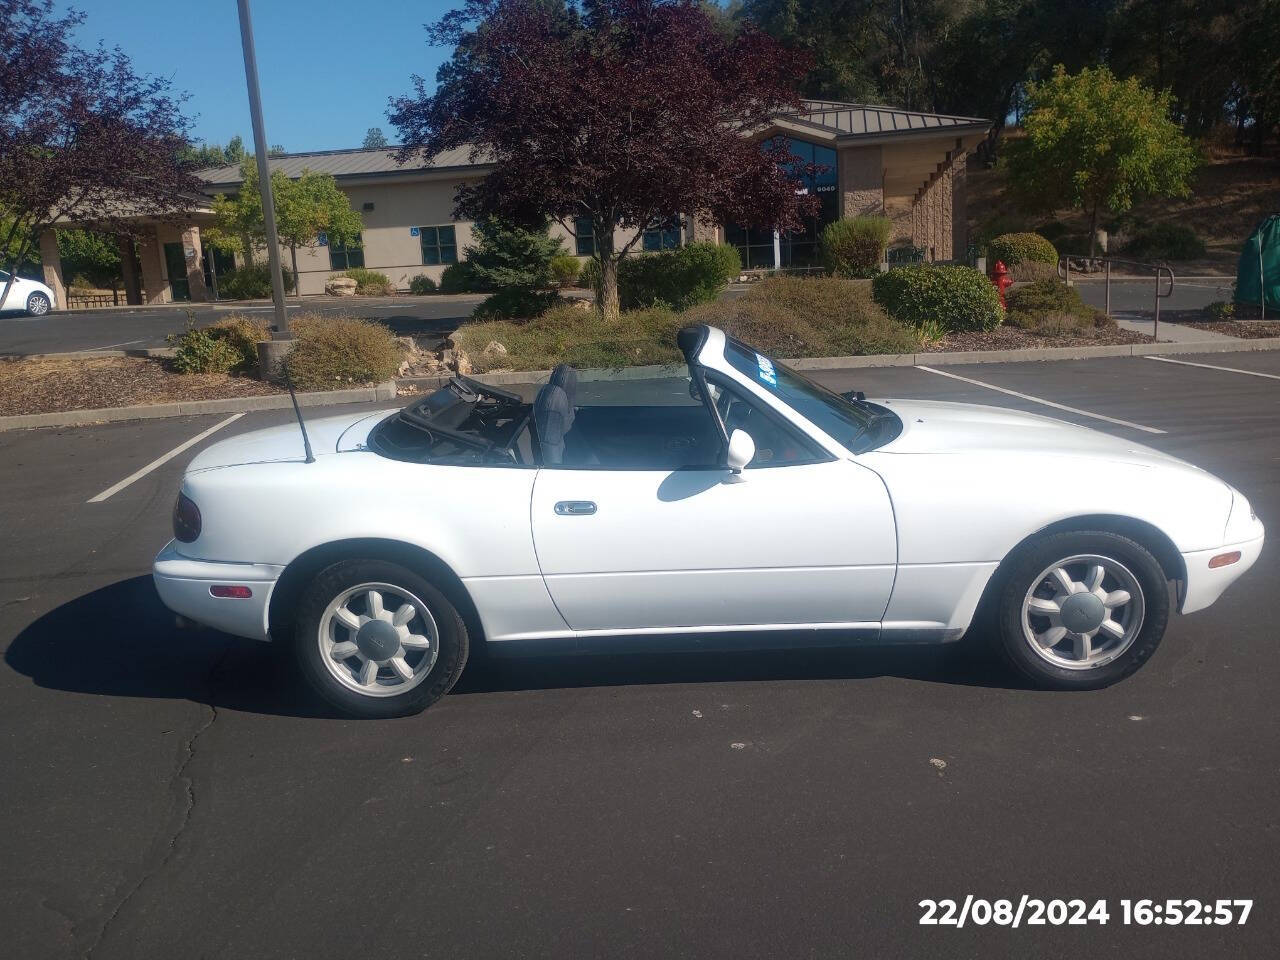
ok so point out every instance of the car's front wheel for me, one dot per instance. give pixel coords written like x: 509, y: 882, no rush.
x: 38, y: 304
x: 1082, y: 610
x: 376, y: 639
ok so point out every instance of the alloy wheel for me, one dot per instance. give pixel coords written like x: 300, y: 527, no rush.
x: 378, y: 639
x: 1083, y: 612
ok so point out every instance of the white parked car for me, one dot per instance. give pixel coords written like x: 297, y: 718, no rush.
x: 29, y: 295
x: 751, y: 500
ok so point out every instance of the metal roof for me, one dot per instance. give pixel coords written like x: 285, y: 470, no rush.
x: 842, y: 119
x: 345, y: 163
x: 861, y: 119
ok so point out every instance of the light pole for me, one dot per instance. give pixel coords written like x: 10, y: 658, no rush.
x: 264, y: 169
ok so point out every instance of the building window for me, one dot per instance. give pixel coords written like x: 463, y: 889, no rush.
x: 663, y: 236
x: 584, y: 233
x: 343, y: 256
x: 816, y: 173
x: 439, y: 245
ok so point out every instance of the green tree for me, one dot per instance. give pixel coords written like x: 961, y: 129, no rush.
x: 305, y: 208
x: 1099, y: 144
x: 510, y: 256
x: 93, y: 256
x: 211, y: 155
x: 374, y: 139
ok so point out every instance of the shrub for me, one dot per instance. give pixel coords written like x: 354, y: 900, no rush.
x: 228, y: 346
x: 1220, y: 310
x: 1031, y: 270
x: 960, y: 298
x: 422, y: 284
x: 676, y: 278
x: 331, y: 352
x: 565, y: 269
x: 589, y: 276
x: 808, y: 316
x: 995, y: 226
x: 515, y: 303
x: 1166, y: 241
x: 575, y: 335
x: 250, y: 283
x: 1016, y: 247
x: 369, y: 283
x: 506, y: 255
x: 1051, y: 308
x: 243, y: 334
x: 854, y: 247
x: 460, y: 278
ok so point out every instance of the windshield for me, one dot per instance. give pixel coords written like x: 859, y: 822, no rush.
x: 850, y: 423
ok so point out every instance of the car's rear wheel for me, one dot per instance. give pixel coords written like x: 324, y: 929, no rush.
x: 38, y: 304
x: 376, y: 639
x: 1082, y: 610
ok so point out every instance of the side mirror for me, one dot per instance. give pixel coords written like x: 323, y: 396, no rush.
x: 742, y: 449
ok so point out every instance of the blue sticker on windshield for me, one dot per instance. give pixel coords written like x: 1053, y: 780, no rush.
x: 767, y: 373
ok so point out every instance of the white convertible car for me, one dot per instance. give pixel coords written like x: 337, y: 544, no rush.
x: 753, y: 501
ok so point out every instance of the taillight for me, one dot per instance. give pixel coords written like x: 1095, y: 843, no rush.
x: 186, y: 519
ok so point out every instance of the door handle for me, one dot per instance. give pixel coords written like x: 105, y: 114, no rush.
x: 575, y: 508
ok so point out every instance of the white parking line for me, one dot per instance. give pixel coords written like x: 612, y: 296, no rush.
x: 110, y: 345
x: 1047, y: 403
x: 1210, y: 366
x: 159, y: 461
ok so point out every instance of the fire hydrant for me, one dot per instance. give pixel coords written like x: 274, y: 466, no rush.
x: 1000, y: 277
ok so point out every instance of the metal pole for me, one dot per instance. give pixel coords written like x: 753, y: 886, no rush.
x: 264, y: 168
x: 1108, y: 288
x: 1155, y: 326
x: 777, y: 250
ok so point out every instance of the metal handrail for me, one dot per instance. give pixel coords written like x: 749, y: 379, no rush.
x: 1157, y: 269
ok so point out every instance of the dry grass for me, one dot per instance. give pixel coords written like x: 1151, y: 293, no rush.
x: 337, y: 352
x: 49, y: 384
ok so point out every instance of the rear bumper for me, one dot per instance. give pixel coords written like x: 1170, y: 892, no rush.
x: 183, y: 585
x: 1204, y: 585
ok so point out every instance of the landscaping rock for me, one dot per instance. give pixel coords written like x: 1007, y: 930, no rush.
x: 458, y: 361
x: 493, y: 350
x: 340, y: 287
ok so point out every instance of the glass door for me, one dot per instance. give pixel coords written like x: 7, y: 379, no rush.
x: 175, y: 263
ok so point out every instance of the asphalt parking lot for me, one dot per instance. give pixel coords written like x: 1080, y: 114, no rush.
x: 176, y: 794
x: 61, y: 331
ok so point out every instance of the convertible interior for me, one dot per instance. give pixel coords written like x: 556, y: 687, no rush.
x: 468, y: 422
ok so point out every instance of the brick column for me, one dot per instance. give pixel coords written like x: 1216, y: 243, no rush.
x: 193, y: 253
x: 860, y: 174
x: 51, y: 264
x: 959, y: 204
x: 155, y: 289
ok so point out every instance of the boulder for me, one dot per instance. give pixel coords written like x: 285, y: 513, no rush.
x: 458, y: 361
x: 493, y: 350
x: 340, y: 287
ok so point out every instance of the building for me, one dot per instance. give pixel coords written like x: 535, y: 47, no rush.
x: 906, y: 165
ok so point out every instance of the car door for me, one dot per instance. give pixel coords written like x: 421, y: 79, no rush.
x: 795, y: 540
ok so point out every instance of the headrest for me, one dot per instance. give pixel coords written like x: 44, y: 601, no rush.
x: 566, y: 378
x: 551, y: 415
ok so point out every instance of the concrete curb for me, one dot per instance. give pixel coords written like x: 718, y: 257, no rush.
x: 84, y: 354
x: 387, y: 391
x: 192, y: 408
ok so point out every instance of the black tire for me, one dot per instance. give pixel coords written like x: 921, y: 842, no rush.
x: 38, y: 304
x: 328, y: 584
x: 1019, y: 577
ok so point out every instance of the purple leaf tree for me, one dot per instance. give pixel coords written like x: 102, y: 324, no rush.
x: 626, y: 112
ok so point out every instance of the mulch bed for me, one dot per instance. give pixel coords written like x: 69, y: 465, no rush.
x: 1012, y: 338
x: 1245, y: 329
x: 51, y: 384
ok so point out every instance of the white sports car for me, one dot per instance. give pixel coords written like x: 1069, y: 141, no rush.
x: 29, y: 295
x: 753, y: 500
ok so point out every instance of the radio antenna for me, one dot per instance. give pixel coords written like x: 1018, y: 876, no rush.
x: 297, y: 412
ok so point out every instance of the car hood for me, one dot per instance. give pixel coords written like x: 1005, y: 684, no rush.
x: 328, y: 435
x: 938, y: 427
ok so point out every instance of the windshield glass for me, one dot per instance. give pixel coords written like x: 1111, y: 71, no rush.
x: 841, y: 419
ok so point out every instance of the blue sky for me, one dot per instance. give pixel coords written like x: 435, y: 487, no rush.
x: 326, y: 74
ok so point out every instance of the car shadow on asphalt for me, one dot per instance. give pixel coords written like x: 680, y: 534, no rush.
x: 120, y: 641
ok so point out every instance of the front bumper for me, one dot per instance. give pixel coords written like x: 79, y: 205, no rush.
x: 183, y: 585
x: 1205, y: 584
